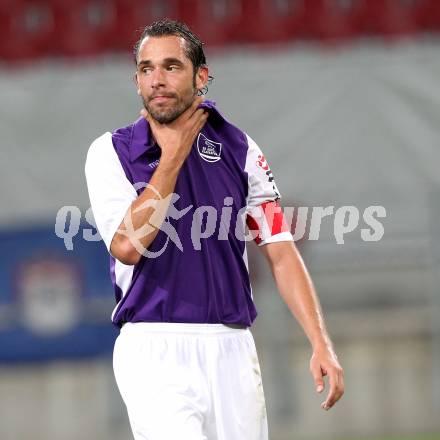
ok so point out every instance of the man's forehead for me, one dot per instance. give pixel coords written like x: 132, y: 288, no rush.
x: 163, y: 46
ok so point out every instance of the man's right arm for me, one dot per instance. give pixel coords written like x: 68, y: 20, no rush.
x: 126, y: 244
x: 145, y: 215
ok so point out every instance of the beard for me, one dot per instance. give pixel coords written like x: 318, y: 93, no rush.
x: 164, y: 114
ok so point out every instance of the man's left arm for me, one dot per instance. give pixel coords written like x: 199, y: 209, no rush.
x: 296, y: 289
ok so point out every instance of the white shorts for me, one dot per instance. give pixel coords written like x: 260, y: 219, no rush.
x: 190, y: 382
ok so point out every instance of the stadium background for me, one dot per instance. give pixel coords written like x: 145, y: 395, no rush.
x: 344, y: 98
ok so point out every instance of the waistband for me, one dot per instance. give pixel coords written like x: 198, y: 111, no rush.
x: 183, y: 328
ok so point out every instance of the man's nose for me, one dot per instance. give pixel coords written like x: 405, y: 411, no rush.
x: 157, y: 78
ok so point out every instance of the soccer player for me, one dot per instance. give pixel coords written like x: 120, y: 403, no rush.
x: 170, y: 194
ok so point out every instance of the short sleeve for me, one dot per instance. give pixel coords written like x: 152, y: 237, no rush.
x: 264, y: 213
x: 261, y: 183
x: 110, y: 192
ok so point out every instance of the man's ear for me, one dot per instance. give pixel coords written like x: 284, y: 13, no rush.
x: 202, y: 76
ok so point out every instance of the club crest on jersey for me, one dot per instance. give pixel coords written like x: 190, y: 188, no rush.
x: 209, y: 150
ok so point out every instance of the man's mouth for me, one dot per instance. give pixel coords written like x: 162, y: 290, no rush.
x: 161, y: 98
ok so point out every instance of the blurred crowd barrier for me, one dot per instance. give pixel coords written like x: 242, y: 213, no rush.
x: 35, y: 28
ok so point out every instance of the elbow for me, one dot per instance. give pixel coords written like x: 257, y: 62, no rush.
x: 125, y: 252
x: 130, y: 259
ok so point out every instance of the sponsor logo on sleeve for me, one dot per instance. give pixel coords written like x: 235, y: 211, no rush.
x: 262, y: 163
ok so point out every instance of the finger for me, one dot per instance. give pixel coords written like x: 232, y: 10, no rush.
x: 342, y: 382
x: 192, y: 110
x: 341, y: 385
x: 144, y: 112
x: 198, y: 115
x: 201, y: 120
x: 153, y: 123
x: 334, y: 390
x: 196, y: 123
x: 331, y: 398
x: 327, y: 405
x: 318, y: 378
x: 197, y: 127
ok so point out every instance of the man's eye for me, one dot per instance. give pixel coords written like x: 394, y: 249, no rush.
x: 172, y: 67
x: 146, y: 70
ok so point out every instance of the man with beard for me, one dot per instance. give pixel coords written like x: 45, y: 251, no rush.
x: 168, y: 193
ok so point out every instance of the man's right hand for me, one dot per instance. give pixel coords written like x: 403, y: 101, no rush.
x: 176, y: 138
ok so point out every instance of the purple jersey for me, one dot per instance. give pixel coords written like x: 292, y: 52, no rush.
x: 194, y: 272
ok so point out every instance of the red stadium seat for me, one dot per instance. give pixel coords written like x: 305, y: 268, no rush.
x: 215, y: 21
x: 387, y: 17
x: 268, y: 22
x: 84, y: 27
x: 285, y: 20
x: 134, y: 15
x: 428, y: 15
x: 26, y: 29
x: 331, y: 19
x: 35, y: 28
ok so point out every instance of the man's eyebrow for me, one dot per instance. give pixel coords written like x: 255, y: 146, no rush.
x: 144, y: 62
x: 173, y: 61
x: 169, y: 60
